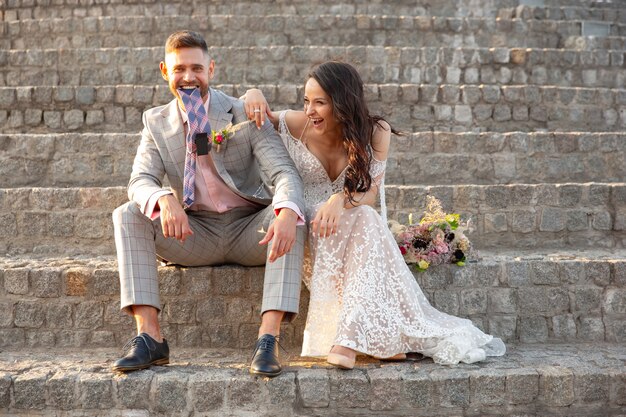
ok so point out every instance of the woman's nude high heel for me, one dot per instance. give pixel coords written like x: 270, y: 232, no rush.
x: 340, y: 361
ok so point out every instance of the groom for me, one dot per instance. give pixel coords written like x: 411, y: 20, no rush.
x: 225, y: 193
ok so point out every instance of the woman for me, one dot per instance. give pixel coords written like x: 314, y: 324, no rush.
x: 364, y: 298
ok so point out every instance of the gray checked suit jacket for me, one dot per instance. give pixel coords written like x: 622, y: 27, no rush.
x: 253, y: 163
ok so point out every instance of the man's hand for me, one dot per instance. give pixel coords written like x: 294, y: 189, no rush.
x: 282, y: 232
x: 174, y: 220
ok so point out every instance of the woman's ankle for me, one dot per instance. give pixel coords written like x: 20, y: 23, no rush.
x: 342, y: 350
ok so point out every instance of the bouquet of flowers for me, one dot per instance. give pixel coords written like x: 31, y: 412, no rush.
x: 437, y: 239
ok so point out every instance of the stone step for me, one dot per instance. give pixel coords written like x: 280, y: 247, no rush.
x: 249, y: 8
x: 423, y: 158
x: 281, y: 29
x: 593, y: 14
x: 520, y: 296
x: 555, y: 380
x: 409, y: 107
x: 74, y: 221
x: 591, y: 43
x: 290, y: 64
x: 27, y: 9
x: 575, y: 3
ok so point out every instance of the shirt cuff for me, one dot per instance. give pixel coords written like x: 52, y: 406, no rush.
x: 151, y: 210
x: 292, y: 206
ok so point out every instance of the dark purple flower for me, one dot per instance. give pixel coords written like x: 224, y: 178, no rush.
x: 420, y: 243
x: 458, y: 255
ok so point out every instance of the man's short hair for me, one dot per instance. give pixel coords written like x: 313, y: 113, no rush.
x: 185, y: 39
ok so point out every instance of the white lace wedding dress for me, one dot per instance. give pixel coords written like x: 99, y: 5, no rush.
x: 363, y: 295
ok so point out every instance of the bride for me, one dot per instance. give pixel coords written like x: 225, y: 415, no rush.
x: 364, y: 298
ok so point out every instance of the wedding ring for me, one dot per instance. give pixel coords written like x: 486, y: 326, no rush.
x: 257, y: 110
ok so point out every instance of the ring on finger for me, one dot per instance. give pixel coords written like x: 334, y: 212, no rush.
x: 257, y: 110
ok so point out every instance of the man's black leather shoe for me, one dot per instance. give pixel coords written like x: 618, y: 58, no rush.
x: 142, y: 351
x: 265, y: 359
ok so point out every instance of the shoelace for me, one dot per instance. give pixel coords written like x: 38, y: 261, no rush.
x: 267, y: 343
x: 134, y: 342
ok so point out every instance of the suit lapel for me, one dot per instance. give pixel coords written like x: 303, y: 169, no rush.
x: 220, y: 117
x: 174, y: 135
x: 219, y: 111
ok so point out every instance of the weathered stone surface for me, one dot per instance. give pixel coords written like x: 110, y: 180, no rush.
x: 522, y: 386
x: 592, y: 385
x: 591, y: 328
x: 556, y: 386
x: 29, y: 391
x: 418, y: 389
x: 170, y: 392
x: 504, y: 327
x: 282, y: 390
x: 209, y: 389
x: 5, y: 393
x: 133, y: 389
x: 386, y: 388
x: 245, y: 392
x: 89, y: 315
x: 615, y: 301
x: 62, y: 390
x: 518, y: 274
x: 59, y: 315
x: 488, y: 388
x: 46, y: 282
x: 587, y: 299
x: 564, y: 327
x: 543, y: 300
x: 76, y: 281
x: 533, y: 329
x: 105, y: 282
x: 29, y: 314
x: 598, y: 273
x: 16, y: 281
x: 545, y: 273
x: 503, y: 300
x: 95, y: 391
x: 349, y: 389
x: 314, y: 388
x: 452, y: 387
x: 473, y: 301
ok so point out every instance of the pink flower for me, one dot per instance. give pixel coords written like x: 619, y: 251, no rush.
x: 219, y: 138
x: 403, y: 250
x: 441, y: 248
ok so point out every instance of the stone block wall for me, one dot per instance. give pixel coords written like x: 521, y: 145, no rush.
x: 76, y: 303
x: 409, y: 107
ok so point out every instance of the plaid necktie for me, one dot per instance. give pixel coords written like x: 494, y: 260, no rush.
x: 198, y: 123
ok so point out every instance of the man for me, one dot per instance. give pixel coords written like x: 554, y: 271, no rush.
x: 216, y: 210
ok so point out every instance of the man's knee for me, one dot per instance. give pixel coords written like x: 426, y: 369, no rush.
x: 126, y: 212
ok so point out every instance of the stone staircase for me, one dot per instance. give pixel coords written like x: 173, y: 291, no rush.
x: 515, y: 113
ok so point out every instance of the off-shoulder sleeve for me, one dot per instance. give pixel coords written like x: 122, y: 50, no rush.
x: 377, y: 172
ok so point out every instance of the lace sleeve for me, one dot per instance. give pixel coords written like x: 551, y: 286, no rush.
x: 377, y: 171
x: 282, y: 124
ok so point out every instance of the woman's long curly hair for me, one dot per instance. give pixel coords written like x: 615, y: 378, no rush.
x: 344, y: 85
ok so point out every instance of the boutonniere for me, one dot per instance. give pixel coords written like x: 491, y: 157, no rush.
x: 218, y: 137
